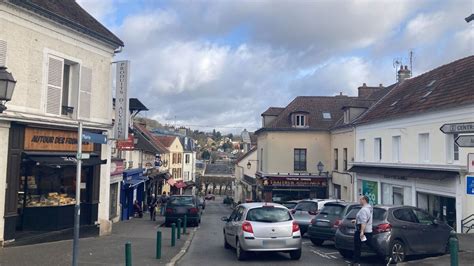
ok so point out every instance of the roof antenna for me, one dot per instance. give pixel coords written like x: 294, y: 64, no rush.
x: 411, y: 63
x: 397, y: 62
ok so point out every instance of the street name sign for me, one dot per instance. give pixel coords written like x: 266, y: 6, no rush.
x: 455, y: 128
x: 94, y: 137
x: 465, y: 141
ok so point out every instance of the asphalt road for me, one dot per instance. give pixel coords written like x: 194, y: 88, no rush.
x: 207, y: 247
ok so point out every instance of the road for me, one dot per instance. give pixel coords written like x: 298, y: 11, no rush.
x: 208, y: 247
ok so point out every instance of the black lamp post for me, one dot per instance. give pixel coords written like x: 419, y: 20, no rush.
x: 7, y: 85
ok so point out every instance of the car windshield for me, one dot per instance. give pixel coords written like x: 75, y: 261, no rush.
x: 307, y: 206
x: 181, y: 201
x: 379, y: 214
x: 289, y: 205
x: 268, y: 215
x: 333, y: 210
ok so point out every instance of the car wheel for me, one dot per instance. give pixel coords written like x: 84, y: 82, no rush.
x: 241, y: 254
x: 295, y: 254
x: 317, y: 242
x: 346, y: 254
x: 397, y: 251
x: 226, y: 245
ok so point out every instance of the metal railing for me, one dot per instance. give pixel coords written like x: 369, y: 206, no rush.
x: 464, y: 223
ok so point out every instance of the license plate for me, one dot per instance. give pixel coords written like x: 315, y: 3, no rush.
x: 181, y: 210
x: 273, y: 243
x: 322, y: 224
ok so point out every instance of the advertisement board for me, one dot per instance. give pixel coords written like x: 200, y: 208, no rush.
x: 371, y: 190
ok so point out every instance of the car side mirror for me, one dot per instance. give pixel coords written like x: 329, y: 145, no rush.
x: 225, y: 219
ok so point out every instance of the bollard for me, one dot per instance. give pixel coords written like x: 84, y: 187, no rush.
x: 128, y: 254
x: 173, y: 234
x: 179, y: 229
x: 185, y: 224
x: 454, y: 248
x: 158, y: 245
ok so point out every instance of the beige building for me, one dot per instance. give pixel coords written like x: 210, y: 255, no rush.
x: 173, y: 162
x: 62, y: 62
x: 245, y: 169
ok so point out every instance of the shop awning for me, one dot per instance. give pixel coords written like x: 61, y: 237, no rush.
x: 134, y: 182
x: 180, y: 184
x: 61, y: 160
x: 404, y: 172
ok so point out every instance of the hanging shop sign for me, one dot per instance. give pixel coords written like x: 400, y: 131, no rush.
x: 121, y: 100
x: 39, y: 139
x: 126, y: 145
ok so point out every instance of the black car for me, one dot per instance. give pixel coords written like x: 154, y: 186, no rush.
x: 398, y: 231
x: 324, y: 225
x: 178, y: 206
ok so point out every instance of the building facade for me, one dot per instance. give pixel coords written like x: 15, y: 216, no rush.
x: 245, y: 169
x: 62, y: 62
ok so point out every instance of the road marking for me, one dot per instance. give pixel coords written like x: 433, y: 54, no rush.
x: 332, y: 253
x: 183, y: 249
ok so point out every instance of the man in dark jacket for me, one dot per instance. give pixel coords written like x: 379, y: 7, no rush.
x: 152, y: 202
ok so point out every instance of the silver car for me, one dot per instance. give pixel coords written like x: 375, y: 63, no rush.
x: 306, y: 210
x: 255, y: 227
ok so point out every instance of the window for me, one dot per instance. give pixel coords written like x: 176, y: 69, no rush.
x: 423, y: 217
x: 326, y: 115
x: 300, y: 160
x: 396, y: 145
x: 336, y: 159
x: 299, y: 120
x: 344, y: 159
x: 362, y: 150
x: 347, y: 117
x: 186, y: 159
x: 378, y: 149
x: 179, y: 157
x: 309, y: 206
x: 424, y: 147
x: 268, y: 215
x: 405, y: 215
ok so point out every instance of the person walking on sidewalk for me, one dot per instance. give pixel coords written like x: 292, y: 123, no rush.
x: 152, y: 207
x: 163, y: 201
x: 363, y: 224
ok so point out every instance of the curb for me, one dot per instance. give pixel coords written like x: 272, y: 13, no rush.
x: 186, y: 245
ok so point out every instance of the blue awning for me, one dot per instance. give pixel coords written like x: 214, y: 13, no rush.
x: 134, y: 182
x: 133, y: 172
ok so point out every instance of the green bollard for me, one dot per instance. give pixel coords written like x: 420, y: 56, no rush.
x: 128, y: 254
x: 454, y: 248
x: 185, y: 224
x: 158, y: 245
x: 173, y: 234
x: 179, y: 228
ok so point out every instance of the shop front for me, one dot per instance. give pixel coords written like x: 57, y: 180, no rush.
x: 133, y: 189
x: 285, y: 188
x: 116, y: 177
x: 42, y: 162
x: 432, y: 190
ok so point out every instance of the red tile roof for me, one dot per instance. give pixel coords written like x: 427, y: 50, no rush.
x: 447, y: 86
x: 166, y: 140
x: 151, y: 137
x: 273, y: 111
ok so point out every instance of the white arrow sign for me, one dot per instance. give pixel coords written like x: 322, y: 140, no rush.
x: 465, y: 141
x: 458, y: 128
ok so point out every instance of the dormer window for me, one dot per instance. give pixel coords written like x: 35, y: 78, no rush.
x: 299, y: 120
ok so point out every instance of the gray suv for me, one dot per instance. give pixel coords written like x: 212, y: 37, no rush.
x: 398, y: 231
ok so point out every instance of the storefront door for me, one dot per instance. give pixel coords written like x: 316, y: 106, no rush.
x: 443, y: 208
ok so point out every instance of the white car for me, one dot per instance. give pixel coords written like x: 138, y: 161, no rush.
x: 306, y: 210
x: 262, y: 226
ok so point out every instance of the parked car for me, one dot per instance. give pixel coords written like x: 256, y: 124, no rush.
x: 210, y: 197
x: 289, y: 204
x: 306, y: 210
x: 178, y: 206
x: 398, y: 231
x: 256, y: 227
x: 325, y: 223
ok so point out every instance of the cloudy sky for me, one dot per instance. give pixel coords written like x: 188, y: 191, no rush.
x: 220, y: 64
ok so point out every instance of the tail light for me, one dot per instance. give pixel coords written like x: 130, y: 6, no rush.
x: 295, y: 227
x: 193, y: 211
x: 169, y: 210
x: 313, y: 212
x: 337, y: 223
x: 382, y: 228
x: 247, y: 227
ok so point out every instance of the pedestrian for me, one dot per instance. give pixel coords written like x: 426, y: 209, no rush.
x: 163, y: 201
x: 363, y: 225
x: 137, y: 209
x: 152, y: 207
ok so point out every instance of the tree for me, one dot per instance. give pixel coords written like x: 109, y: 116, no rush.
x: 206, y: 155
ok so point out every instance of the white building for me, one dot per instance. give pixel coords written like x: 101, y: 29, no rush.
x: 403, y: 158
x: 189, y: 163
x: 245, y: 169
x: 62, y: 62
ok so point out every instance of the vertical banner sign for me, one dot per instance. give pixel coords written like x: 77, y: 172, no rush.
x: 370, y: 189
x: 121, y: 100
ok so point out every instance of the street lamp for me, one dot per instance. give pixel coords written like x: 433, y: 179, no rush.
x: 249, y: 165
x: 7, y: 85
x: 320, y: 167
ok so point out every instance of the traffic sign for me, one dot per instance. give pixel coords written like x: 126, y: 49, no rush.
x: 465, y: 141
x: 94, y: 137
x: 470, y: 185
x: 457, y: 128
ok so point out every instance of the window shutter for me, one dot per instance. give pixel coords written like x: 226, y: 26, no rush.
x: 55, y: 83
x: 3, y: 53
x: 85, y: 93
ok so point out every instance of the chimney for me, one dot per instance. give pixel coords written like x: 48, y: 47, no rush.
x: 403, y: 73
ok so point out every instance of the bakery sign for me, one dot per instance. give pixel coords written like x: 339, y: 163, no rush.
x: 282, y: 181
x: 39, y: 139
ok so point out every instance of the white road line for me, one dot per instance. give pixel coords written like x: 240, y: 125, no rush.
x: 332, y: 256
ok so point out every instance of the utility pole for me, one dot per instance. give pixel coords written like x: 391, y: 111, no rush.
x: 77, y: 207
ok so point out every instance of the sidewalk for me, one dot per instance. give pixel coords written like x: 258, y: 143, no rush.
x: 466, y: 254
x: 106, y: 250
